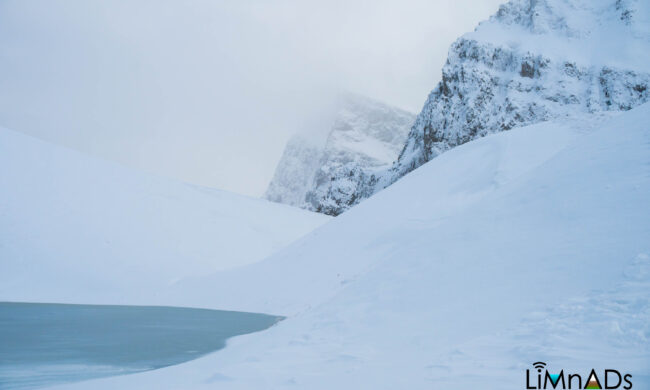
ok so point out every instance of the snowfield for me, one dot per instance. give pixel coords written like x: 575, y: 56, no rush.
x: 523, y: 246
x: 74, y: 229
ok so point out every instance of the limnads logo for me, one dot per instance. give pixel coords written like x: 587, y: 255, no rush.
x: 541, y: 378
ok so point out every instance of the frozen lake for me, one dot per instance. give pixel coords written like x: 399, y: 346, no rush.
x: 43, y: 344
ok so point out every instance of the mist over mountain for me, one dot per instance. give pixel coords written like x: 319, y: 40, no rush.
x: 320, y: 169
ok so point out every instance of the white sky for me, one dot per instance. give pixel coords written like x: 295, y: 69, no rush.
x: 209, y: 91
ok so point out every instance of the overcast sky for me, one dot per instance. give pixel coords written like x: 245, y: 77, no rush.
x: 209, y: 91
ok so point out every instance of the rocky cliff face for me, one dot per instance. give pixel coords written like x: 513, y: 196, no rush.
x: 533, y: 61
x: 322, y: 172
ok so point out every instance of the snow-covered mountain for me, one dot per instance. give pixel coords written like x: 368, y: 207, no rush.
x: 523, y: 246
x: 533, y: 61
x: 319, y: 171
x: 82, y: 230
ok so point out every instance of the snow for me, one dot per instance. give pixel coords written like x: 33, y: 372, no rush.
x: 522, y: 246
x: 80, y: 230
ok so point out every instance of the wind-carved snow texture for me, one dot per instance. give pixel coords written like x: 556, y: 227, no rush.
x: 322, y: 172
x: 615, y: 319
x: 533, y: 61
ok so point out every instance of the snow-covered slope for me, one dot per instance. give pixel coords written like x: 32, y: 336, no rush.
x: 533, y: 61
x: 319, y: 172
x: 75, y: 229
x: 523, y: 246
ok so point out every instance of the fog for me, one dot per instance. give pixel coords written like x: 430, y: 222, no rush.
x: 209, y: 91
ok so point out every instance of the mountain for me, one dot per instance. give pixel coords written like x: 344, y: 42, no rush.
x: 319, y: 171
x: 533, y: 61
x: 523, y: 246
x: 71, y: 225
